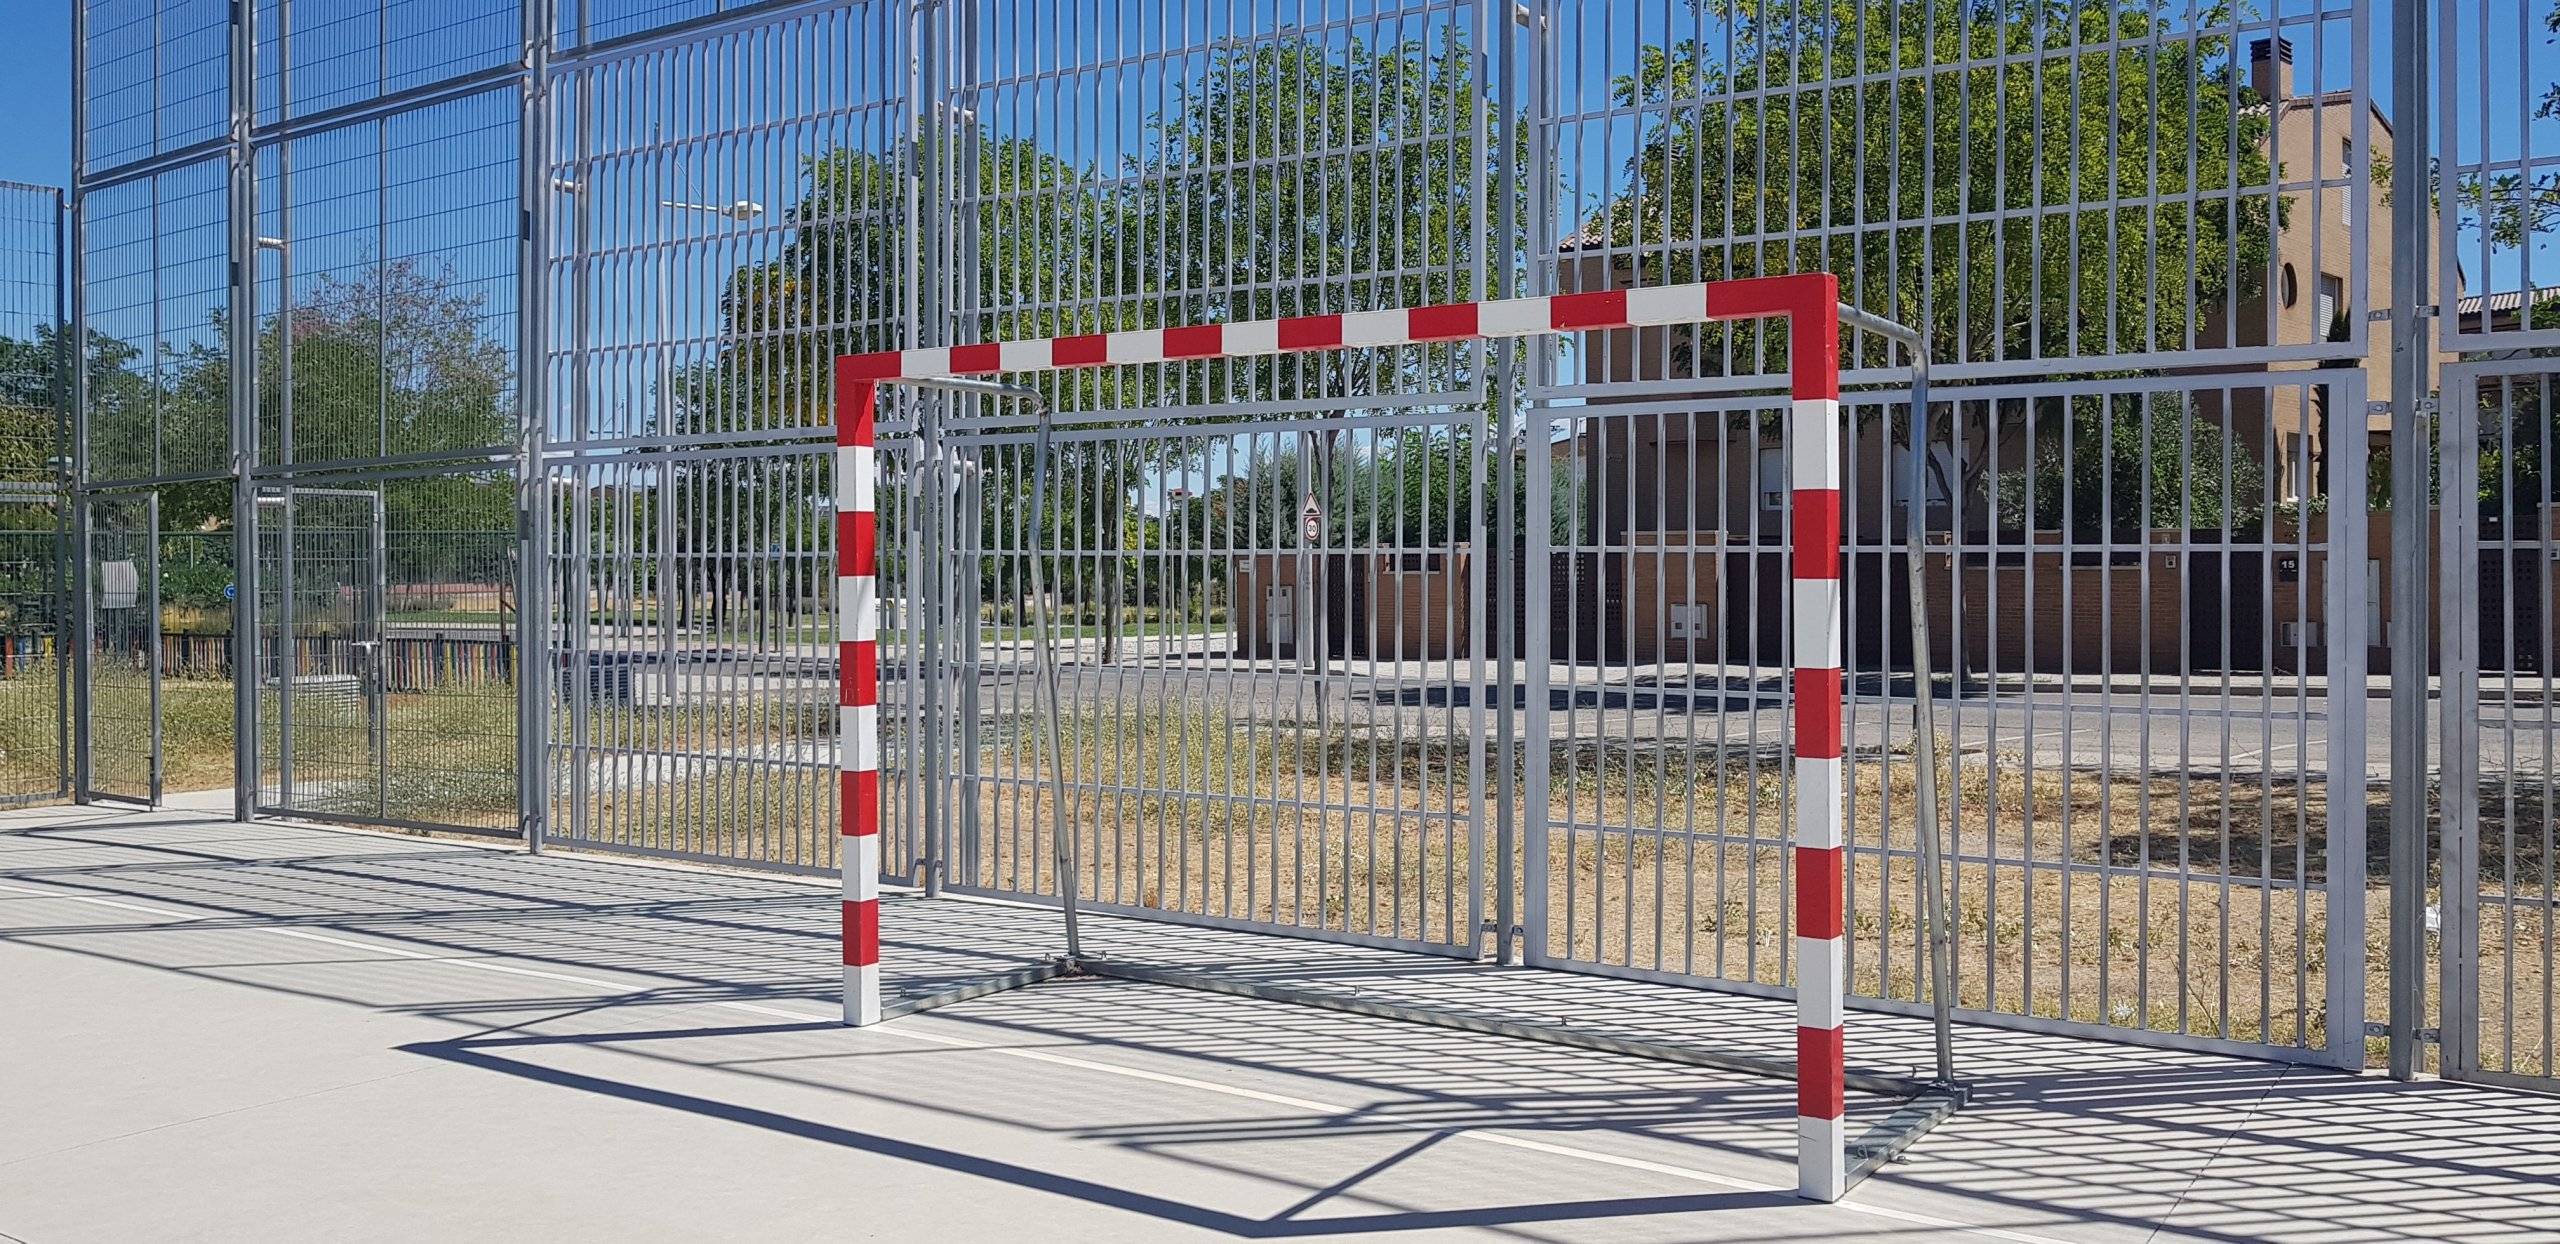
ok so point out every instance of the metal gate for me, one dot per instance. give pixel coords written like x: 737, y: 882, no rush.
x: 2496, y: 902
x: 320, y: 670
x: 121, y: 652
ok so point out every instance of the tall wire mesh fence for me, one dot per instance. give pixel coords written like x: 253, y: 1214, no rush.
x: 574, y: 271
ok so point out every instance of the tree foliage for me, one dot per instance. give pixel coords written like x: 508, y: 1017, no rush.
x: 1985, y: 172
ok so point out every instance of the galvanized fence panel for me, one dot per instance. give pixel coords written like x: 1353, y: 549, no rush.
x: 321, y: 553
x: 154, y: 78
x: 154, y: 269
x: 35, y: 562
x: 2151, y: 697
x: 695, y: 700
x: 2107, y: 185
x: 34, y: 623
x: 1272, y: 634
x: 384, y: 606
x: 2496, y: 177
x: 120, y: 693
x: 2154, y: 834
x: 2496, y: 892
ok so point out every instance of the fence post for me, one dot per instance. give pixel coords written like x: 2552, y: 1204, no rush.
x: 2411, y: 491
x: 533, y: 495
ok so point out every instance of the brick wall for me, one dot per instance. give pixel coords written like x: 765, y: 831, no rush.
x: 1418, y: 605
x: 2053, y: 611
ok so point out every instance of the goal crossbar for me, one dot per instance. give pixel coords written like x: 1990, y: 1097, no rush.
x: 1827, y: 1162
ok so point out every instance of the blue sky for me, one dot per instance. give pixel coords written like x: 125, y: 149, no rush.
x: 35, y: 94
x: 35, y: 71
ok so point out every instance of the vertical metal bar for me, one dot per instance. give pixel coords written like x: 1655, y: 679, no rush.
x: 533, y: 393
x: 1514, y: 451
x: 371, y: 629
x: 1536, y: 757
x: 2412, y: 359
x: 2348, y: 780
x: 76, y: 454
x: 2459, y: 1025
x: 148, y: 610
x: 68, y: 363
x: 243, y: 350
x: 927, y: 201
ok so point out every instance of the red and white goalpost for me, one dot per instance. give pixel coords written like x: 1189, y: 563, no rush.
x: 1808, y: 302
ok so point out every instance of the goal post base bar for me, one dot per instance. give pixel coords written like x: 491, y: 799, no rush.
x: 984, y: 986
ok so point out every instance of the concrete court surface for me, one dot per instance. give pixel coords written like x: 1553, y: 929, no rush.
x: 270, y: 1032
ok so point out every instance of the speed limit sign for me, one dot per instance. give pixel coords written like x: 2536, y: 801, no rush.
x: 1311, y: 520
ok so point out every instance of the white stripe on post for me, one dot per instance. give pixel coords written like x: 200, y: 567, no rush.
x: 857, y: 609
x: 1815, y: 461
x: 858, y: 737
x: 1376, y: 328
x: 1252, y: 337
x: 854, y: 467
x: 862, y: 868
x: 1816, y: 624
x: 1515, y: 317
x: 1818, y: 788
x: 1667, y: 304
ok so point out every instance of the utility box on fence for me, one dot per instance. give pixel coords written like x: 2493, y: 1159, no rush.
x: 1675, y: 612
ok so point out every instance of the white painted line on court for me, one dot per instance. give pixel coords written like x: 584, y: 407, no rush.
x: 1692, y: 1174
x: 102, y: 902
x: 895, y: 1029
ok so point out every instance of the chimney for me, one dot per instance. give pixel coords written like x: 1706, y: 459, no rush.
x: 2271, y: 68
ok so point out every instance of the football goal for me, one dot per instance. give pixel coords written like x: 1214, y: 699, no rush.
x: 1828, y: 1159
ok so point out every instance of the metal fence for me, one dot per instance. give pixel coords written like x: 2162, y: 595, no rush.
x: 1459, y: 650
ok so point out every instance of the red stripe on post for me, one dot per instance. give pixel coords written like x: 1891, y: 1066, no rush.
x: 1198, y: 341
x: 977, y: 359
x: 1814, y: 533
x: 1311, y: 332
x: 861, y: 934
x: 1819, y: 876
x: 1085, y: 351
x: 858, y: 662
x: 859, y: 789
x: 857, y: 411
x: 1818, y: 713
x: 857, y: 543
x: 1449, y: 322
x: 854, y: 369
x: 1813, y: 337
x: 1753, y: 296
x: 1601, y: 308
x: 1819, y: 1092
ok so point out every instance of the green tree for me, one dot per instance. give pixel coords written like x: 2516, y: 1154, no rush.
x: 2110, y: 470
x: 1280, y: 168
x: 1852, y: 136
x: 2514, y: 209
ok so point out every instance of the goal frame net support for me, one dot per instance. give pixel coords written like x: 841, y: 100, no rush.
x: 1828, y: 1161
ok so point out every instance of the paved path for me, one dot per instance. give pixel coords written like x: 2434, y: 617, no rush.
x: 275, y: 1033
